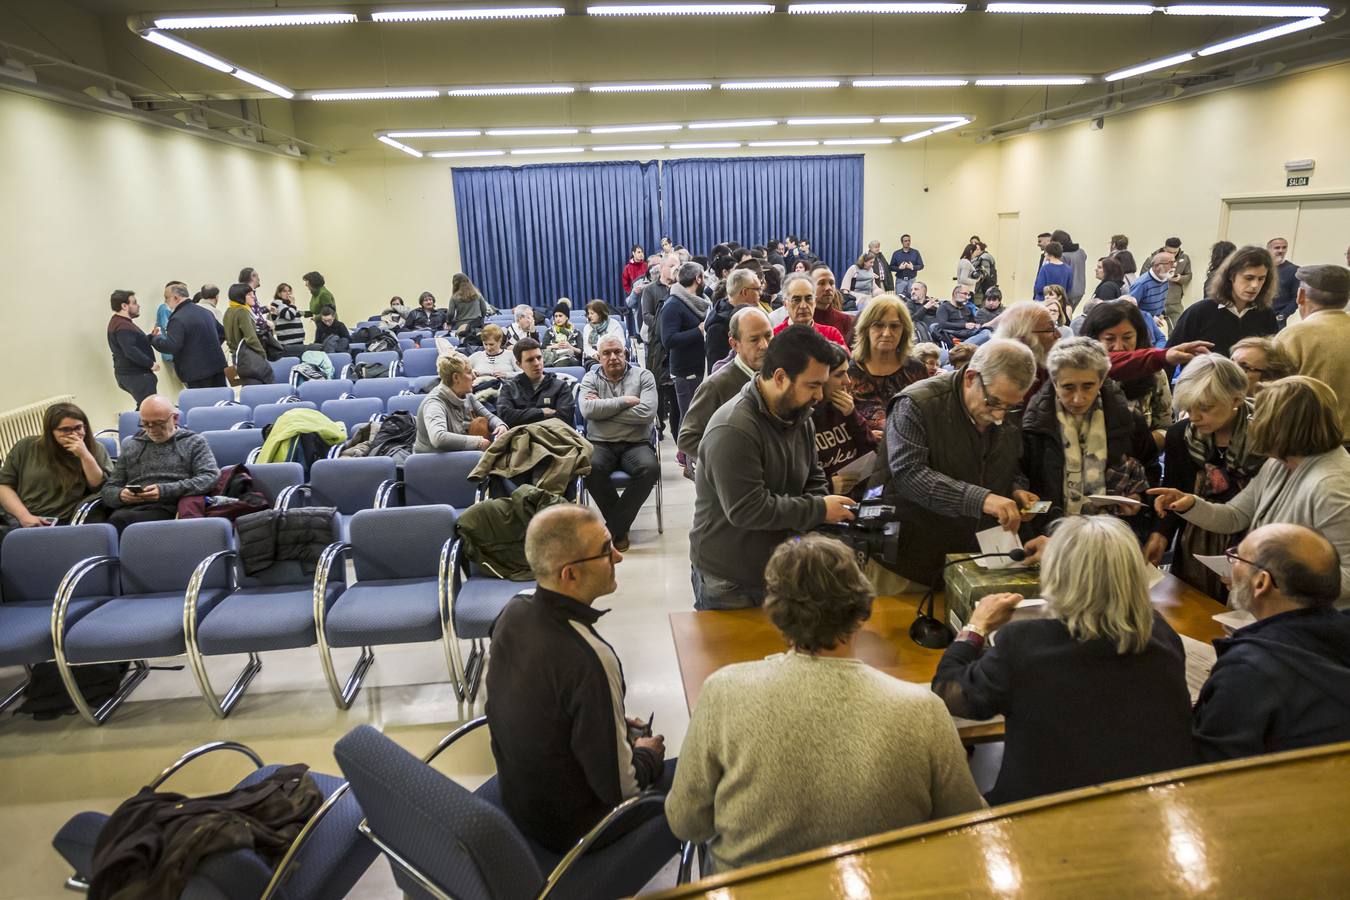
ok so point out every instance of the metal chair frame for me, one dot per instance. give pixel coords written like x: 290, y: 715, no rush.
x: 220, y: 708
x: 468, y: 675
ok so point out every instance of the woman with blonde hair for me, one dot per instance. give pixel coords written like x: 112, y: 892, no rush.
x: 1093, y: 691
x: 882, y: 362
x: 1262, y: 360
x: 1296, y: 422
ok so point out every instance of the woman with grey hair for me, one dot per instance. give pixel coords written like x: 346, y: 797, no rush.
x: 1092, y: 692
x: 1080, y: 437
x: 522, y: 326
x: 1206, y: 454
x: 813, y: 746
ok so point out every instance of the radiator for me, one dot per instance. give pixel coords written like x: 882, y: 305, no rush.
x: 25, y: 421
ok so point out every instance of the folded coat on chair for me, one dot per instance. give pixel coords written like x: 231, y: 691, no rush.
x: 494, y: 530
x: 566, y: 452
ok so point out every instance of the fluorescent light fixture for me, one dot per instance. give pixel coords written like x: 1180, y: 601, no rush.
x: 376, y: 94
x: 1252, y: 10
x: 909, y: 82
x: 918, y: 135
x: 1100, y: 9
x: 625, y: 148
x: 857, y: 142
x: 654, y: 87
x: 783, y: 144
x: 464, y: 154
x: 875, y: 8
x: 1030, y: 80
x: 779, y: 84
x: 1257, y: 37
x: 628, y: 129
x: 1153, y: 65
x: 258, y: 81
x: 681, y: 9
x: 385, y: 139
x: 436, y: 133
x: 508, y: 90
x: 445, y: 15
x: 251, y: 20
x: 183, y: 48
x: 707, y: 145
x: 515, y: 132
x: 833, y: 120
x: 918, y: 120
x: 735, y: 123
x: 540, y: 151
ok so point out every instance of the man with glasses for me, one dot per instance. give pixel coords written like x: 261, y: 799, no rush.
x: 566, y: 752
x: 1282, y: 682
x: 158, y: 465
x: 955, y: 320
x: 799, y: 299
x: 954, y: 447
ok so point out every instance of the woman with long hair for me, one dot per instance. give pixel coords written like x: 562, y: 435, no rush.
x: 1119, y: 326
x: 1111, y: 279
x: 965, y: 267
x: 1236, y: 305
x: 1217, y: 254
x: 466, y: 304
x: 45, y: 477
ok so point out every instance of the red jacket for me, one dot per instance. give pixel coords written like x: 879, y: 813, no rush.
x: 840, y: 321
x: 631, y: 273
x: 828, y: 333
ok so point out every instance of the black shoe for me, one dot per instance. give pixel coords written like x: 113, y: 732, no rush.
x: 621, y: 544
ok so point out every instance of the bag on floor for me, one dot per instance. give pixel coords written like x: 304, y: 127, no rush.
x: 45, y: 696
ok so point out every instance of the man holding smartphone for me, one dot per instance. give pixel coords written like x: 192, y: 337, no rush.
x: 158, y: 465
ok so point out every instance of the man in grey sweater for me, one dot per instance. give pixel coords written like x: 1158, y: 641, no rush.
x: 749, y: 335
x: 758, y: 478
x: 158, y: 465
x: 618, y: 402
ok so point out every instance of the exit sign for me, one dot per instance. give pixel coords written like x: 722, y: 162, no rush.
x: 1296, y: 181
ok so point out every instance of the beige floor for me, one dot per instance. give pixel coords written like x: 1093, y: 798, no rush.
x: 51, y: 770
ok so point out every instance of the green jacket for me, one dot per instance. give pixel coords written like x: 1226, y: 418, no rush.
x: 321, y: 298
x: 494, y: 530
x: 296, y: 422
x: 239, y: 327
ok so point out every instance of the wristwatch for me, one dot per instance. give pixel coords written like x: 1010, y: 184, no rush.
x: 973, y: 634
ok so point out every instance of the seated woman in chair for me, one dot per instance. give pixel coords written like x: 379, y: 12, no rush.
x: 599, y: 323
x: 45, y: 477
x: 451, y: 418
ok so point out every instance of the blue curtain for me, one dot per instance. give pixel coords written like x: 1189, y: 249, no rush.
x: 752, y: 199
x: 532, y: 234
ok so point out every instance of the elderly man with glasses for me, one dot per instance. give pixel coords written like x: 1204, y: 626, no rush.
x: 799, y: 299
x: 953, y: 448
x: 158, y: 465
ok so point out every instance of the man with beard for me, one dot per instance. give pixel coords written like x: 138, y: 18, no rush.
x: 1282, y: 682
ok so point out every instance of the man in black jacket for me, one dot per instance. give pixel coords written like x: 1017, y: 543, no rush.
x: 534, y: 395
x: 426, y: 317
x: 193, y: 337
x: 566, y: 754
x: 134, y: 364
x: 1282, y: 682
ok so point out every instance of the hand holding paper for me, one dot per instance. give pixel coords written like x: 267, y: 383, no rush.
x: 996, y: 540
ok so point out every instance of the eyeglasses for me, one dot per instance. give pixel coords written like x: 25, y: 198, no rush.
x: 1253, y: 370
x: 1046, y: 331
x: 606, y: 552
x: 70, y: 429
x: 994, y: 402
x: 1231, y: 555
x: 887, y: 326
x: 156, y: 423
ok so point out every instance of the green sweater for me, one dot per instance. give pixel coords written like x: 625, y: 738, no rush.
x: 239, y: 327
x: 41, y: 489
x: 321, y: 298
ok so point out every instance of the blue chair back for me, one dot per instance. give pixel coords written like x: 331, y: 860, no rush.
x: 158, y: 557
x: 409, y: 403
x: 216, y: 418
x: 417, y: 363
x: 128, y: 423
x: 319, y: 391
x: 230, y: 448
x: 576, y: 372
x: 257, y: 394
x: 281, y: 369
x: 430, y: 478
x: 340, y: 361
x: 380, y: 388
x: 268, y: 413
x: 464, y: 845
x: 191, y: 398
x: 388, y: 357
x: 36, y: 559
x: 349, y: 484
x: 406, y: 343
x: 402, y: 542
x: 273, y: 478
x: 352, y: 412
x: 110, y: 445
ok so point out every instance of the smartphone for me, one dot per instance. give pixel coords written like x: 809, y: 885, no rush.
x: 137, y: 488
x: 645, y: 731
x: 48, y: 520
x: 1035, y: 509
x: 873, y: 493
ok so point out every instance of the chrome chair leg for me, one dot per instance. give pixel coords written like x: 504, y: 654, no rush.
x: 139, y: 669
x: 344, y: 694
x: 446, y: 589
x: 474, y: 671
x: 15, y: 694
x: 686, y: 870
x: 222, y: 708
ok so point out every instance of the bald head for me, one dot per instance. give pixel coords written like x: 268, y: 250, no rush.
x: 159, y: 418
x: 1300, y: 567
x: 156, y: 405
x: 552, y: 536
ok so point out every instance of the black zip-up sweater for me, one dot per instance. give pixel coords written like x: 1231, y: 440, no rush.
x: 130, y: 347
x: 555, y: 710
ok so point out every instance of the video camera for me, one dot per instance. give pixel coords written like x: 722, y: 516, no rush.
x: 874, y: 532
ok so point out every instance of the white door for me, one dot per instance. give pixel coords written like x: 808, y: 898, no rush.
x: 1323, y: 232
x: 1006, y: 253
x: 1257, y: 221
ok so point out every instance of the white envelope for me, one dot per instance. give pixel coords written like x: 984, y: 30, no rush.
x: 1219, y: 564
x: 996, y: 540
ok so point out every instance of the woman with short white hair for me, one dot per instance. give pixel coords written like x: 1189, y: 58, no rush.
x: 522, y: 327
x: 1093, y: 691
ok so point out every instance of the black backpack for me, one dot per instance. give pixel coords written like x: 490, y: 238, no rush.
x: 45, y: 695
x: 364, y: 370
x: 381, y: 343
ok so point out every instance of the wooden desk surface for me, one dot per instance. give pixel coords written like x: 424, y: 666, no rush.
x: 1271, y: 826
x: 707, y: 641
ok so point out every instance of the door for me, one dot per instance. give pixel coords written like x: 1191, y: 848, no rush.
x: 1317, y: 229
x: 1006, y: 253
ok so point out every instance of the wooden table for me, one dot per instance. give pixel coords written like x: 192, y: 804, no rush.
x: 707, y: 641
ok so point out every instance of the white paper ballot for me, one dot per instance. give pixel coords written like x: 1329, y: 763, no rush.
x: 1029, y: 608
x: 1154, y: 575
x: 996, y: 540
x: 1200, y: 658
x: 1234, y: 619
x: 1111, y: 500
x: 1219, y: 564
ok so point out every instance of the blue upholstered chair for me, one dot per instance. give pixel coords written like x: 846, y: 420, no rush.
x: 576, y: 373
x: 110, y: 445
x: 216, y: 418
x: 268, y: 413
x: 324, y: 861
x: 144, y: 620
x: 351, y: 484
x: 271, y: 610
x: 430, y: 478
x: 128, y: 423
x: 322, y: 391
x: 409, y: 403
x: 191, y: 398
x: 352, y: 412
x: 477, y: 596
x: 341, y: 361
x: 444, y: 841
x: 231, y: 448
x: 420, y: 362
x: 252, y: 395
x: 380, y: 388
x: 33, y: 568
x: 278, y: 482
x: 402, y: 562
x: 406, y: 343
x: 281, y: 370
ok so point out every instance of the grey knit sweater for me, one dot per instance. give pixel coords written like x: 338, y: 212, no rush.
x: 795, y: 752
x: 182, y: 466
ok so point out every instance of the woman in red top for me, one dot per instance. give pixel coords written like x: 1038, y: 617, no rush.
x: 636, y: 268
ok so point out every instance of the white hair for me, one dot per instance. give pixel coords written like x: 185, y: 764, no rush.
x: 1007, y: 359
x: 1019, y: 323
x: 610, y: 339
x: 739, y: 280
x: 522, y: 310
x: 1094, y: 582
x: 1080, y: 353
x: 1209, y: 379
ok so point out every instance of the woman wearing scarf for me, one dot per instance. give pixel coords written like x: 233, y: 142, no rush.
x: 1208, y: 455
x: 1081, y: 438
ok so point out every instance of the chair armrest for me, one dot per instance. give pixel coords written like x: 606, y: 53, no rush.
x: 280, y: 873
x: 560, y: 871
x: 194, y: 589
x: 66, y: 590
x: 85, y: 508
x: 445, y: 743
x: 198, y: 752
x: 333, y: 553
x: 290, y: 492
x: 389, y: 490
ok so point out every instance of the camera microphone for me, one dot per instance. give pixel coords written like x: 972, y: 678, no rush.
x: 1017, y: 554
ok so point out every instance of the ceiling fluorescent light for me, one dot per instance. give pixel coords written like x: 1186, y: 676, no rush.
x: 627, y: 129
x: 508, y: 90
x: 1100, y: 9
x: 258, y: 81
x: 436, y: 133
x: 183, y: 48
x: 1259, y: 36
x: 874, y: 8
x: 918, y: 135
x: 251, y: 20
x: 461, y: 154
x: 856, y: 142
x: 779, y: 84
x: 445, y: 15
x: 517, y: 132
x: 1252, y: 10
x: 735, y: 123
x: 1030, y: 80
x: 909, y: 82
x: 833, y: 120
x: 949, y: 126
x: 681, y: 9
x: 707, y: 145
x: 539, y: 151
x: 783, y: 144
x: 1151, y: 66
x: 375, y: 94
x: 626, y: 148
x: 917, y: 120
x: 385, y: 139
x: 650, y: 88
